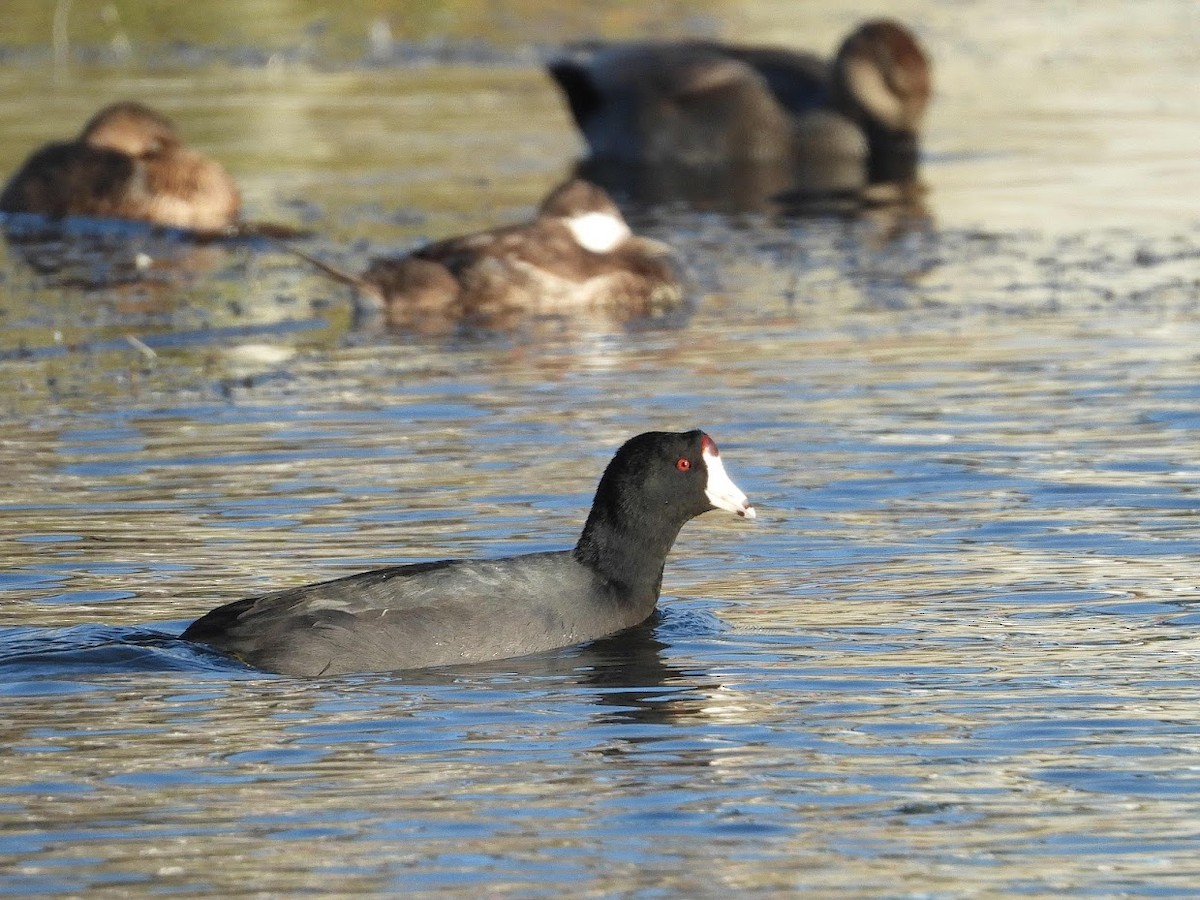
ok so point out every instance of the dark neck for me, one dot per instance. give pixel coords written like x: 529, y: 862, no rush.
x: 628, y: 551
x: 892, y: 156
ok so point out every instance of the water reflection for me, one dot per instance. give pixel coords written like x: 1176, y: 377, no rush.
x: 630, y: 672
x: 93, y: 254
x: 630, y: 676
x: 762, y: 187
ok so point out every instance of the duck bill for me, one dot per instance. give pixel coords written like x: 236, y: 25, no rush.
x: 722, y: 493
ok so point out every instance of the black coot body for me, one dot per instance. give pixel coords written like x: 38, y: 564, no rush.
x: 467, y: 611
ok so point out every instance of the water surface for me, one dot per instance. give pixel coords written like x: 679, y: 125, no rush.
x: 955, y: 655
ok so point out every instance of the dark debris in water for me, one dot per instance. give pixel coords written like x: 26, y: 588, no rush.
x: 914, y: 265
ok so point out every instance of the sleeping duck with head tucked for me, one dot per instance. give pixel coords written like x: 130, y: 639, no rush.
x: 808, y: 124
x: 128, y: 163
x: 577, y: 256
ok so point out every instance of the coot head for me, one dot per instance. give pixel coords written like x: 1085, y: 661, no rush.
x: 677, y: 475
x: 656, y: 482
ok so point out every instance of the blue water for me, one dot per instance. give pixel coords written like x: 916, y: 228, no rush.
x: 955, y: 655
x: 957, y: 648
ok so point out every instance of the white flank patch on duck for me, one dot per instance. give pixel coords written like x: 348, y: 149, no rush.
x: 598, y: 232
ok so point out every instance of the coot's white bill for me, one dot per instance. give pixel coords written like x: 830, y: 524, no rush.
x: 720, y: 490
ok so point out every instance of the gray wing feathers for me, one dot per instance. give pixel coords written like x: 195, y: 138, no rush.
x: 416, y: 616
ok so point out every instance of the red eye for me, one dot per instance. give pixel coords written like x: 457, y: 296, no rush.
x: 684, y: 464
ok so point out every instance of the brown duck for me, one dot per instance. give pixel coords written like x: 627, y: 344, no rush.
x: 577, y: 256
x: 127, y: 163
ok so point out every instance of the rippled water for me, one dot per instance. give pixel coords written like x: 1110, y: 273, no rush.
x: 955, y: 655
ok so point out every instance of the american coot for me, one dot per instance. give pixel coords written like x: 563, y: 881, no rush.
x: 839, y: 124
x: 466, y: 611
x: 578, y: 255
x: 127, y: 163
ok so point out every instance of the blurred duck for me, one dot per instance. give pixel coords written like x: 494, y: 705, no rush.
x: 127, y: 163
x: 577, y: 256
x: 835, y: 125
